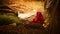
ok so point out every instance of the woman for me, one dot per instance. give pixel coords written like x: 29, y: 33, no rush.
x: 38, y: 19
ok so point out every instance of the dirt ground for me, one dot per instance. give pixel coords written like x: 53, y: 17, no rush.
x: 20, y: 29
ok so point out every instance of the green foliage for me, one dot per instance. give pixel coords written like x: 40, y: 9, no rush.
x: 7, y: 19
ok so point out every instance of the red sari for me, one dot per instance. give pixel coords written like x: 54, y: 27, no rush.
x: 38, y: 19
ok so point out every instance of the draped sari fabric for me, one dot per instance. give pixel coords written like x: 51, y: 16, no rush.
x: 39, y: 19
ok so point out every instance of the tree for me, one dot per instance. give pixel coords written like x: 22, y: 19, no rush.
x: 53, y: 10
